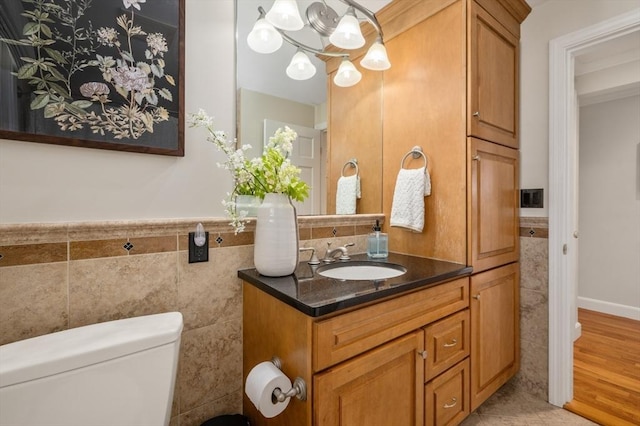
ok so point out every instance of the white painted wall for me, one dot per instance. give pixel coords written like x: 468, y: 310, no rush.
x: 548, y: 20
x: 609, y: 210
x: 254, y: 107
x: 48, y: 183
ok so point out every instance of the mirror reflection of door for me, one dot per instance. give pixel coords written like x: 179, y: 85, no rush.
x: 307, y: 155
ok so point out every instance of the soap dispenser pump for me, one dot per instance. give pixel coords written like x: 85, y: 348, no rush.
x: 377, y: 243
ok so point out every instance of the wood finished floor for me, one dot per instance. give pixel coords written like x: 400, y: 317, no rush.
x: 606, y: 369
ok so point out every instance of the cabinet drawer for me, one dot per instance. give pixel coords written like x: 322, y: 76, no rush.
x: 446, y: 342
x: 342, y: 337
x: 447, y: 396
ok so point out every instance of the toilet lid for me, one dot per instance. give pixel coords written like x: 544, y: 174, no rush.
x: 79, y: 347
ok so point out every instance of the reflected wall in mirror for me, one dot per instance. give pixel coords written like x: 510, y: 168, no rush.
x: 267, y: 97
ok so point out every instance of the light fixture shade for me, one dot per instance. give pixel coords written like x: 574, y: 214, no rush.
x: 347, y: 34
x: 347, y: 74
x: 263, y: 38
x: 300, y: 67
x: 284, y: 14
x: 376, y: 58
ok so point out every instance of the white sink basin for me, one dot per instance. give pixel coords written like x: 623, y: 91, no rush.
x: 361, y: 271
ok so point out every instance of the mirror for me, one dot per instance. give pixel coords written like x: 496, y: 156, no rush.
x: 268, y: 99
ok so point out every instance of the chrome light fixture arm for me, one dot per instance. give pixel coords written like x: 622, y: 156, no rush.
x: 302, y: 46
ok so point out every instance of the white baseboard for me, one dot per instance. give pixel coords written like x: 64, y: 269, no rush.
x: 577, y: 331
x: 625, y: 311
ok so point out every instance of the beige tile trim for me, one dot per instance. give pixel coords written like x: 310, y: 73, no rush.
x: 534, y: 227
x: 22, y: 244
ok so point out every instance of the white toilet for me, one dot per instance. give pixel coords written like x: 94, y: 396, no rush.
x: 117, y: 373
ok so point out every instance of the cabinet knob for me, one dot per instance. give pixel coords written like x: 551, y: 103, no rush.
x: 477, y: 297
x: 453, y: 403
x: 423, y: 354
x: 476, y: 114
x: 476, y: 157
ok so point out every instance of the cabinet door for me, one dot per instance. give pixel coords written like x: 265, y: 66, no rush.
x: 495, y: 330
x: 448, y: 396
x: 382, y: 387
x: 492, y: 79
x: 494, y: 226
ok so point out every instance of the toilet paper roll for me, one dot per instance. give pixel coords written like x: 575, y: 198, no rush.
x: 262, y: 380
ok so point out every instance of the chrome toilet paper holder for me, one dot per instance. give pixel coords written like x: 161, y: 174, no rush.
x: 298, y: 388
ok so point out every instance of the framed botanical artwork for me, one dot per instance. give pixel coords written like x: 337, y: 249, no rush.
x: 93, y: 73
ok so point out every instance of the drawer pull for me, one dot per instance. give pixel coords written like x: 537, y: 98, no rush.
x: 423, y: 354
x: 477, y: 297
x: 453, y: 403
x: 452, y: 344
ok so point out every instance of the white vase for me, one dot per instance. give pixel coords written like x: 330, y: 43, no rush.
x: 275, y: 251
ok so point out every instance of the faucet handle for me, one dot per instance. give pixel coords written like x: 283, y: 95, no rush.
x: 345, y: 254
x: 314, y: 258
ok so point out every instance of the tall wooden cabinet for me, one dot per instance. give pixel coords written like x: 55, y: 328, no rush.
x: 493, y: 56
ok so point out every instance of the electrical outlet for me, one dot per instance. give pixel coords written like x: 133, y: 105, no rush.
x: 198, y: 254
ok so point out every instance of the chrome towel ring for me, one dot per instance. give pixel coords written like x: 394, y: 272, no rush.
x: 416, y: 152
x: 353, y: 163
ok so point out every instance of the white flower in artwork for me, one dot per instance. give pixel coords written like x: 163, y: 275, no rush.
x: 131, y: 78
x: 134, y: 3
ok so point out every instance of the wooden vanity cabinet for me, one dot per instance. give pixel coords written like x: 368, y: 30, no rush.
x: 495, y: 330
x: 363, y: 366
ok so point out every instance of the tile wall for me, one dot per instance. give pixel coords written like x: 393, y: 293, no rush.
x: 59, y: 276
x: 534, y: 306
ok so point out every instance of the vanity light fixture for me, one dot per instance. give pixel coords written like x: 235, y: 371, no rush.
x: 347, y: 74
x: 343, y: 32
x: 300, y: 67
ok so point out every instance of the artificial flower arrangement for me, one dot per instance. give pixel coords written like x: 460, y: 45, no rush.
x: 270, y: 173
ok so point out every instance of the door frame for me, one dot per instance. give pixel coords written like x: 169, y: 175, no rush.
x: 563, y: 178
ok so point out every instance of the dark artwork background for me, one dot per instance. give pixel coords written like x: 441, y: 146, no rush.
x: 161, y: 130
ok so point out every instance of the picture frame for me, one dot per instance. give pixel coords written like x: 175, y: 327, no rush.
x: 94, y: 73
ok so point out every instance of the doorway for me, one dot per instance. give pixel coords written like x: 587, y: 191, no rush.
x: 563, y: 138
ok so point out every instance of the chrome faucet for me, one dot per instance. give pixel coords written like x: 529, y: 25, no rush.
x: 330, y: 255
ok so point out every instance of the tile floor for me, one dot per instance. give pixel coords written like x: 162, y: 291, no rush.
x: 513, y: 407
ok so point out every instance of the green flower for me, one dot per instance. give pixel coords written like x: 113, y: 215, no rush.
x: 270, y: 173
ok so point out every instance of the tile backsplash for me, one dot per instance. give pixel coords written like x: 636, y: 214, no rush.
x: 59, y: 276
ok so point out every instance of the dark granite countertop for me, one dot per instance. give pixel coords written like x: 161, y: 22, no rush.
x: 315, y: 295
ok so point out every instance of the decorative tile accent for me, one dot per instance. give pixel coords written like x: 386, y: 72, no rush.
x: 96, y: 249
x: 30, y: 254
x: 128, y: 246
x: 534, y: 232
x: 148, y: 245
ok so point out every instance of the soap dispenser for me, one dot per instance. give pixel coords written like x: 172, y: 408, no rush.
x: 377, y: 243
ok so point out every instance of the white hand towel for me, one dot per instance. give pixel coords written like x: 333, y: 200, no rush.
x: 407, y: 210
x: 346, y: 194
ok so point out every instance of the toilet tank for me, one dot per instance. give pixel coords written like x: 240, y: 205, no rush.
x: 116, y: 373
